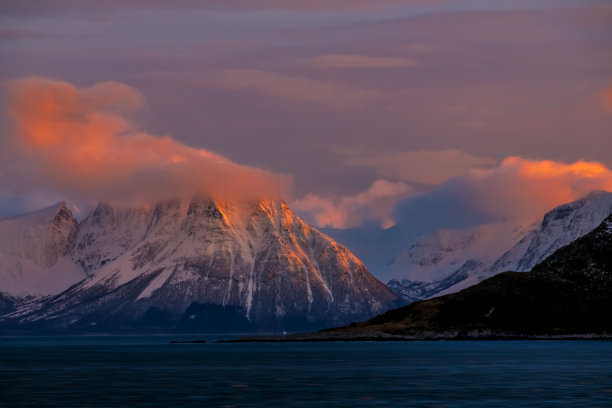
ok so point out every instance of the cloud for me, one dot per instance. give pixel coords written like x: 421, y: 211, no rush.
x: 529, y: 187
x: 426, y: 167
x: 375, y: 205
x: 519, y: 188
x: 79, y: 143
x: 291, y: 87
x: 360, y: 61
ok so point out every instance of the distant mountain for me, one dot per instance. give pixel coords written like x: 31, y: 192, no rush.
x: 559, y: 227
x: 567, y: 295
x: 447, y: 261
x: 206, y: 265
x: 35, y: 255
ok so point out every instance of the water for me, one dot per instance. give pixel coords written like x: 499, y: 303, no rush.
x: 149, y: 372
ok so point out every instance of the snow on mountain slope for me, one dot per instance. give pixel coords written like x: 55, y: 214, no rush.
x: 34, y: 253
x: 22, y: 278
x: 258, y: 258
x: 568, y: 295
x: 443, y: 251
x: 445, y: 258
x: 106, y: 233
x: 450, y: 260
x: 559, y: 227
x: 41, y: 237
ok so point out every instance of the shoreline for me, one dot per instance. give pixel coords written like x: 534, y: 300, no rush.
x: 337, y: 339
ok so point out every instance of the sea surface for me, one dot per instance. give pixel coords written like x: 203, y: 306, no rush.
x: 136, y: 371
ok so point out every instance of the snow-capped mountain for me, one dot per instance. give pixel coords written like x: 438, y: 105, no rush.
x: 559, y: 227
x: 176, y: 263
x: 447, y: 261
x: 35, y: 253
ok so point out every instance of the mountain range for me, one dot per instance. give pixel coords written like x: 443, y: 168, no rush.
x: 180, y: 265
x: 447, y: 260
x: 206, y: 265
x: 568, y: 295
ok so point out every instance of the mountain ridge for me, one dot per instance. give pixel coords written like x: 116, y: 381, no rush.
x: 568, y: 295
x: 148, y: 266
x: 517, y: 247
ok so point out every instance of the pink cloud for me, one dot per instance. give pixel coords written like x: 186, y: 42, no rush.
x: 78, y: 142
x: 518, y: 188
x: 376, y: 204
x: 526, y: 188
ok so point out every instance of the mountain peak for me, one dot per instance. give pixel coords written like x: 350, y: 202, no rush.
x: 46, y: 212
x: 208, y: 209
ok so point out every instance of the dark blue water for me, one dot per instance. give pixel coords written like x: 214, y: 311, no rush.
x: 149, y: 372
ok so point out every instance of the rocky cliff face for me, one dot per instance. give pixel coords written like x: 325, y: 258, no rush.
x: 149, y: 267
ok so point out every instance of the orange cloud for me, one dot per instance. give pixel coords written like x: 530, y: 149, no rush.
x: 519, y: 188
x: 376, y: 204
x: 77, y: 141
x: 528, y: 188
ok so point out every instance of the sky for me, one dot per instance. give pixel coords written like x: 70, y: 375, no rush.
x: 355, y: 112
